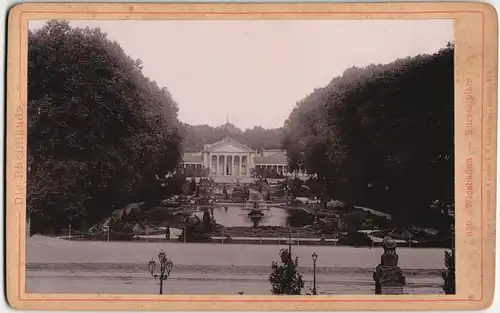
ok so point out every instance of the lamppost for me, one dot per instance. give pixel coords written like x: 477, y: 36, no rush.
x: 314, y: 257
x: 166, y: 266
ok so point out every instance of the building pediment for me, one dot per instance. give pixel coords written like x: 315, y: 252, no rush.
x: 228, y: 145
x: 230, y: 149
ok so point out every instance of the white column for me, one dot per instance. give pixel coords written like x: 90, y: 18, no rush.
x: 224, y: 161
x: 248, y: 166
x: 205, y: 159
x: 217, y: 165
x: 209, y: 163
x: 212, y: 166
x: 251, y: 162
x: 240, y: 164
x: 232, y: 165
x: 225, y: 165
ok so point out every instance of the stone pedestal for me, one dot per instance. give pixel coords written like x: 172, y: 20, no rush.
x: 388, y: 277
x: 392, y: 290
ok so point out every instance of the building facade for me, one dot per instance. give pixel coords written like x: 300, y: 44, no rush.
x: 229, y: 161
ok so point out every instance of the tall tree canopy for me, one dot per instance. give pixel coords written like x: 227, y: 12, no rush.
x: 98, y: 130
x: 381, y: 136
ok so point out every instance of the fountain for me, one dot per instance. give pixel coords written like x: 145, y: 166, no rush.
x: 256, y: 204
x: 239, y: 194
x: 256, y: 201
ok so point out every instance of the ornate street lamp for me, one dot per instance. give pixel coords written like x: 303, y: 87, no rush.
x: 314, y: 257
x: 166, y: 266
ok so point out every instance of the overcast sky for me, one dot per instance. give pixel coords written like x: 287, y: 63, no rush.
x: 256, y: 71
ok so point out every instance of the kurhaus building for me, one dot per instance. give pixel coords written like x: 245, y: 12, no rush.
x: 229, y: 161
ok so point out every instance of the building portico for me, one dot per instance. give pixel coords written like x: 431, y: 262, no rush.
x: 229, y: 161
x: 227, y: 164
x: 227, y: 158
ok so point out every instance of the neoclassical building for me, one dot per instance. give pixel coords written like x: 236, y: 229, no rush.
x: 229, y: 161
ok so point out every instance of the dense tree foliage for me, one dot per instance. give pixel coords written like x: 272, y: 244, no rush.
x: 193, y: 171
x: 99, y: 131
x: 381, y: 136
x: 285, y: 278
x: 448, y: 274
x: 295, y: 187
x: 257, y: 138
x: 266, y: 173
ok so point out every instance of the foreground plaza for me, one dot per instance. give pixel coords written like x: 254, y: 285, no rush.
x: 60, y: 266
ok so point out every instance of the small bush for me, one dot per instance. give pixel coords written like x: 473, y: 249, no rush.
x: 449, y: 273
x: 285, y: 279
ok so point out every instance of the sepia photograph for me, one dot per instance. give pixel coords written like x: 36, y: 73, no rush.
x: 241, y: 157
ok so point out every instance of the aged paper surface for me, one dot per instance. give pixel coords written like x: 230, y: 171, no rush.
x: 476, y: 35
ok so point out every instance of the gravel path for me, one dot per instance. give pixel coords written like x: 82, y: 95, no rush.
x: 61, y: 251
x: 57, y: 266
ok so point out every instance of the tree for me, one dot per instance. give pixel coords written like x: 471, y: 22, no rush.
x: 185, y: 188
x: 98, y: 130
x: 206, y: 224
x: 258, y: 175
x: 372, y: 137
x: 176, y: 184
x: 205, y: 172
x: 316, y: 186
x: 449, y: 274
x: 295, y: 186
x: 285, y: 278
x: 192, y: 186
x: 283, y: 185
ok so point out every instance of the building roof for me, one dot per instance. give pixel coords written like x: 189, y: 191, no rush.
x: 227, y: 141
x: 268, y: 157
x: 192, y: 158
x: 278, y: 158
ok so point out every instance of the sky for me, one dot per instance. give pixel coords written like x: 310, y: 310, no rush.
x: 253, y: 72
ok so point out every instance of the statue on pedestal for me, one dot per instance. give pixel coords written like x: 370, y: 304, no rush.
x: 316, y: 221
x: 388, y: 276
